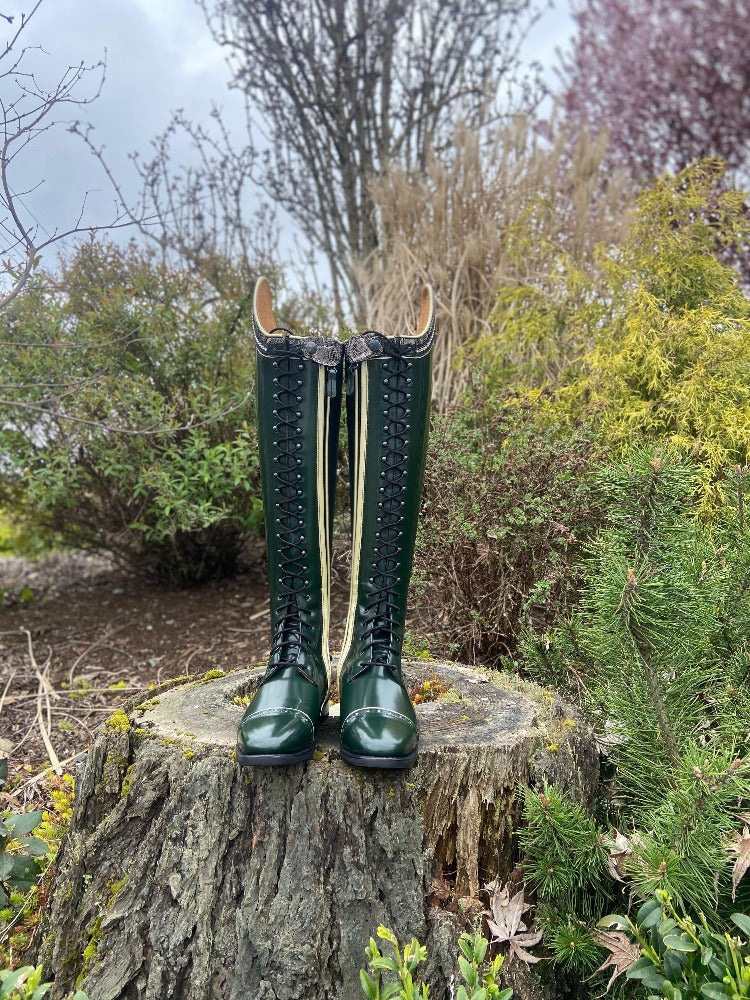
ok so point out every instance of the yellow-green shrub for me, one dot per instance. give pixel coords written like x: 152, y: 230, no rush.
x: 654, y: 341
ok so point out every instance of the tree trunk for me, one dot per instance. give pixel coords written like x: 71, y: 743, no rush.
x: 185, y: 876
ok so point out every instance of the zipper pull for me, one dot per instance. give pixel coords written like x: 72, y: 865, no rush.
x: 331, y: 382
x: 349, y: 380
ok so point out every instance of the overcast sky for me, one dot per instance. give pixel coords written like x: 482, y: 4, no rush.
x: 160, y: 56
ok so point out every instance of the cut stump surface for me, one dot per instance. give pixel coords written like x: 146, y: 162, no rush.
x: 186, y: 876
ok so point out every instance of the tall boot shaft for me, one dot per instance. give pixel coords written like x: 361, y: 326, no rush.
x: 298, y: 391
x: 388, y: 402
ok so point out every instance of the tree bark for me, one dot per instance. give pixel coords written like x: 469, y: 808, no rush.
x: 186, y: 876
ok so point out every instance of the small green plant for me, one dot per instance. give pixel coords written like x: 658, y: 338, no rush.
x: 480, y: 978
x: 482, y: 985
x: 682, y: 958
x: 26, y: 984
x: 566, y: 859
x: 20, y: 912
x: 402, y: 965
x: 19, y: 850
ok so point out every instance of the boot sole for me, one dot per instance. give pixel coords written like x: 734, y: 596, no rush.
x: 385, y: 763
x: 274, y: 759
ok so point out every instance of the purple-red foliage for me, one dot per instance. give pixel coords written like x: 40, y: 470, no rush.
x: 669, y: 80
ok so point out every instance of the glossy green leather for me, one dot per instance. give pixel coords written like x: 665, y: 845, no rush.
x: 388, y: 402
x: 298, y: 392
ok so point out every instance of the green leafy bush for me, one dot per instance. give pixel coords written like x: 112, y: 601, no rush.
x: 683, y: 959
x: 26, y: 984
x: 129, y: 412
x: 507, y: 506
x: 19, y: 850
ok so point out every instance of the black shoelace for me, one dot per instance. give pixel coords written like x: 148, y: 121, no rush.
x: 382, y: 633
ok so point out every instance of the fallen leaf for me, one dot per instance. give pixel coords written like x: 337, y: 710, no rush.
x: 620, y: 849
x: 740, y: 846
x: 622, y: 953
x: 507, y: 924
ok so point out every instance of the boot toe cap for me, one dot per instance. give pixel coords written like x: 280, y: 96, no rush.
x: 375, y: 734
x: 281, y: 732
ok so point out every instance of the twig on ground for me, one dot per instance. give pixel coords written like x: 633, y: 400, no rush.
x: 43, y: 701
x: 6, y: 689
x: 97, y: 643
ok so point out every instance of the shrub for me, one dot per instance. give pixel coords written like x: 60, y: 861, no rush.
x: 506, y: 508
x: 682, y: 957
x: 128, y: 412
x: 659, y: 644
x: 654, y: 342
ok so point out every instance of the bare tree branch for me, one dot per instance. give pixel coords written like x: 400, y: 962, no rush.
x: 28, y: 110
x: 336, y: 92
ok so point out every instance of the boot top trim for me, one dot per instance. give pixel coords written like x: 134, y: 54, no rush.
x: 372, y: 344
x: 282, y: 342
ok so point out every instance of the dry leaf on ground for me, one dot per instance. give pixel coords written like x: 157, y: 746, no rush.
x: 622, y: 953
x: 507, y: 924
x: 740, y: 845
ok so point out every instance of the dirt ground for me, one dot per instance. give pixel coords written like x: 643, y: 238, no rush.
x: 78, y: 636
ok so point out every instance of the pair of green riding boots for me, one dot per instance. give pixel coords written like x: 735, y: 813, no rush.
x: 300, y: 384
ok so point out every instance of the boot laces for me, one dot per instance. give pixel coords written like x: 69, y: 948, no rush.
x: 382, y: 633
x: 291, y: 632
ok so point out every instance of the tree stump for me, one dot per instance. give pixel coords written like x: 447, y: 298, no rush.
x: 185, y: 876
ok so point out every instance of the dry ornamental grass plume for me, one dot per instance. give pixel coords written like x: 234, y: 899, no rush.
x: 496, y: 215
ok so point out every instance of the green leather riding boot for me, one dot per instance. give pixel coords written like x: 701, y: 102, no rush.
x: 388, y: 402
x: 298, y: 391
